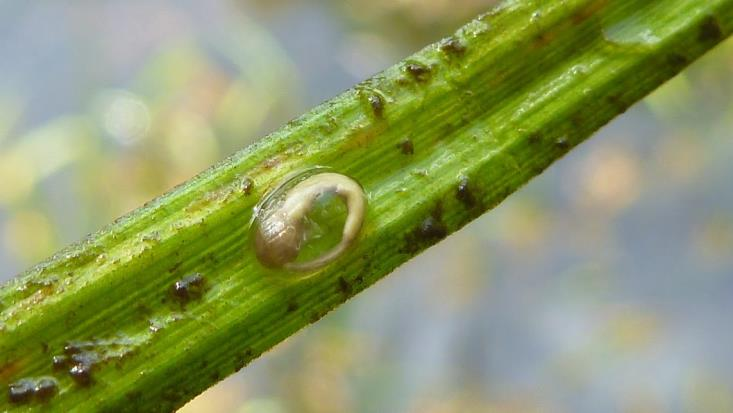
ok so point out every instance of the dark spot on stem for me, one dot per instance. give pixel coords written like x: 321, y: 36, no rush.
x: 60, y: 361
x: 428, y: 232
x: 315, y: 316
x: 453, y: 47
x: 432, y: 229
x: 188, y: 288
x: 21, y: 391
x: 377, y: 104
x: 247, y: 185
x: 710, y: 30
x: 588, y: 11
x: 46, y: 388
x: 344, y: 287
x: 292, y: 306
x: 144, y: 310
x: 418, y: 71
x: 465, y: 194
x: 538, y: 169
x: 406, y: 146
x: 534, y: 138
x: 272, y: 162
x: 81, y: 373
x: 677, y: 61
x: 618, y: 103
x: 543, y: 39
x: 562, y: 143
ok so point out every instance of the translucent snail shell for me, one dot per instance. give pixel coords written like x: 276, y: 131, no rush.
x: 280, y: 222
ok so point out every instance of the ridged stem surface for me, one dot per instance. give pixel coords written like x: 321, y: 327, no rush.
x: 435, y: 141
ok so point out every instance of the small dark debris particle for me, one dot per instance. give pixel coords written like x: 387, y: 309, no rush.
x: 247, y: 185
x: 292, y: 306
x: 677, y: 61
x: 418, y: 71
x: 617, y: 101
x: 535, y: 138
x: 406, y: 147
x: 453, y: 46
x: 344, y: 287
x: 21, y: 391
x: 431, y: 228
x: 81, y: 373
x: 46, y: 388
x: 60, y: 361
x: 377, y: 104
x: 562, y: 143
x: 464, y: 193
x: 710, y: 30
x: 538, y: 169
x: 188, y: 287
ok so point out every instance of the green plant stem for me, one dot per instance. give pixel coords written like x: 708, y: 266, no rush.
x: 436, y: 141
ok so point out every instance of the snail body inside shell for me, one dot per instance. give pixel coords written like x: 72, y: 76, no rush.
x: 280, y: 229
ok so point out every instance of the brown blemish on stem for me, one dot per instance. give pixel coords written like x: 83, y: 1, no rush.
x: 406, y: 146
x: 428, y: 232
x: 618, y: 103
x: 677, y: 61
x: 21, y: 391
x: 361, y: 137
x: 588, y: 11
x: 710, y: 30
x: 562, y: 143
x: 453, y: 47
x: 45, y: 388
x: 82, y: 373
x: 377, y: 104
x: 246, y: 185
x: 464, y: 193
x: 188, y: 288
x: 344, y: 287
x: 418, y: 71
x: 60, y: 362
x: 543, y: 39
x: 8, y: 370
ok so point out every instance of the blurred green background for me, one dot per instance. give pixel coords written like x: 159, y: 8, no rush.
x: 605, y: 285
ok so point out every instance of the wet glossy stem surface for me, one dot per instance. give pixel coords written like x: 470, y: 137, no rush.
x: 165, y: 302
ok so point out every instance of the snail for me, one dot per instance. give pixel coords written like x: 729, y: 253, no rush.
x: 280, y: 220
